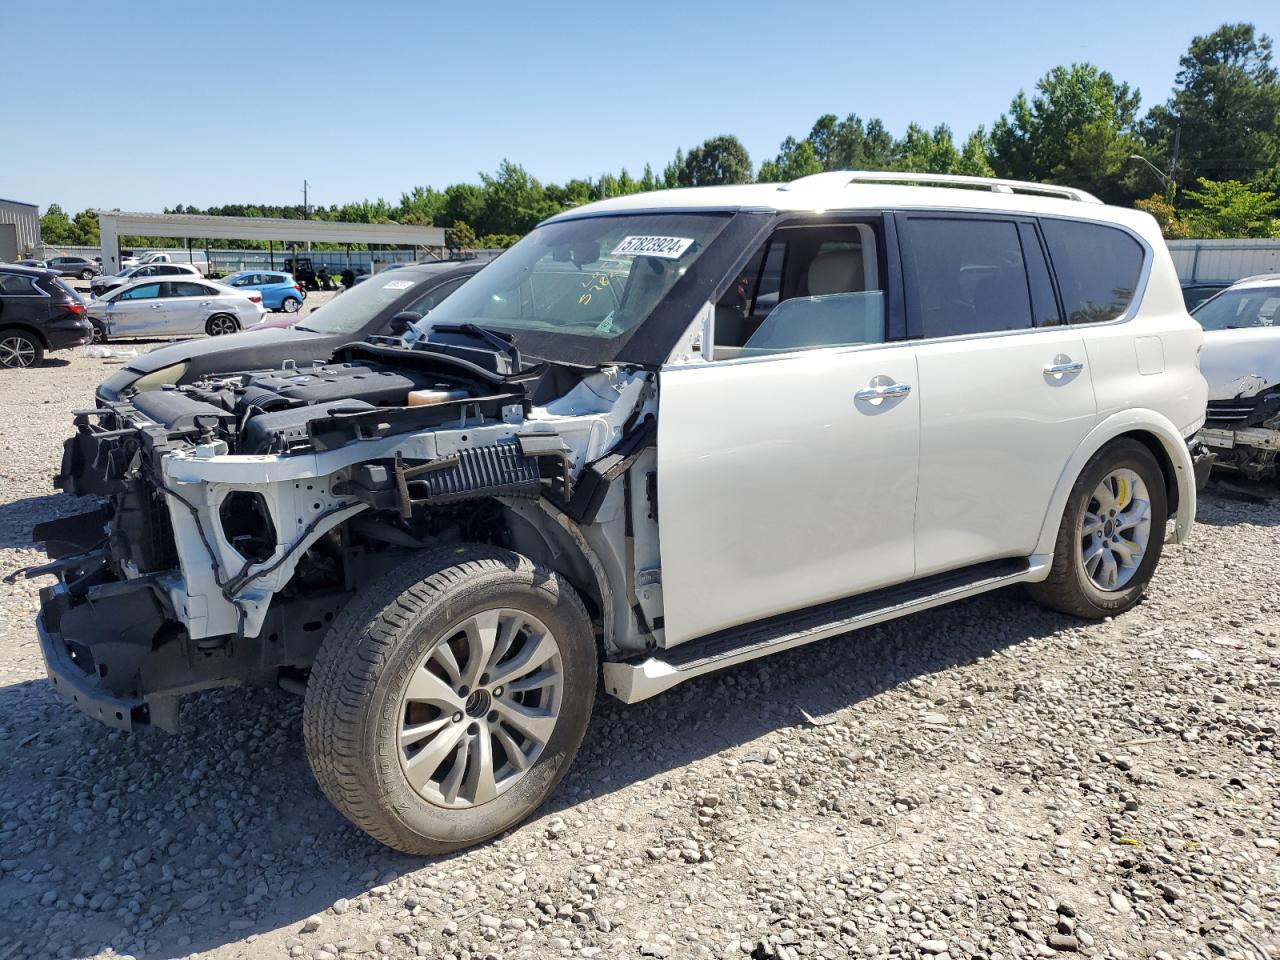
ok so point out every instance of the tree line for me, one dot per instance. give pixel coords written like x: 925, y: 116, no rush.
x: 1205, y: 162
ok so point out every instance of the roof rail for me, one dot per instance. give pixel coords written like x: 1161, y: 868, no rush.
x: 1258, y: 277
x: 994, y: 184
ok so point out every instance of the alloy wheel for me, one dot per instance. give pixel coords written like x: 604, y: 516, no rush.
x: 221, y: 325
x: 1115, y: 530
x: 17, y: 351
x: 290, y: 305
x: 480, y: 708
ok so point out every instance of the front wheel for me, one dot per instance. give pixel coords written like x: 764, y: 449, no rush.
x: 221, y: 324
x: 450, y: 697
x: 1111, y: 535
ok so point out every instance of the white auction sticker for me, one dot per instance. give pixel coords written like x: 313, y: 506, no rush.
x: 669, y: 248
x: 398, y: 285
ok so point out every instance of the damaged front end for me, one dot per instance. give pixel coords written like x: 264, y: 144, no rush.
x: 243, y: 511
x: 1243, y: 432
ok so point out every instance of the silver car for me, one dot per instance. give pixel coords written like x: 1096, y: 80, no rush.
x: 173, y: 306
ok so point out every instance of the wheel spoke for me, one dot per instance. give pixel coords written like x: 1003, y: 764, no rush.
x: 1092, y: 524
x: 507, y: 634
x: 515, y: 756
x: 426, y: 687
x: 443, y: 655
x: 450, y: 785
x: 534, y: 681
x: 1110, y: 572
x: 481, y: 786
x: 420, y: 767
x: 1092, y: 557
x: 482, y: 634
x: 1129, y: 553
x: 535, y: 724
x: 1132, y: 516
x: 412, y: 733
x: 538, y: 649
x: 1105, y: 496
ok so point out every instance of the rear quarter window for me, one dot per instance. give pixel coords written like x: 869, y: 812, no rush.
x: 1098, y: 268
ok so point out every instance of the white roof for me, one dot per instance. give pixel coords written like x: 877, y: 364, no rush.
x: 878, y: 190
x: 1262, y: 280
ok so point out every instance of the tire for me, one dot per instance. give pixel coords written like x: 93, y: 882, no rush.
x: 291, y: 304
x: 1073, y: 585
x: 221, y: 324
x: 402, y: 628
x: 20, y: 349
x: 86, y: 274
x: 98, y: 335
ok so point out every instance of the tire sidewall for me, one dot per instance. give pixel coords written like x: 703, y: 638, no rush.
x: 516, y: 589
x: 36, y: 346
x: 1133, y: 456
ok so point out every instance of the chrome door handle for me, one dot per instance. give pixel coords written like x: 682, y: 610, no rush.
x: 883, y: 392
x: 1059, y: 368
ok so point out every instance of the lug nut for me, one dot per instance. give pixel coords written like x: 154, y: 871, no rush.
x: 497, y: 691
x: 457, y: 718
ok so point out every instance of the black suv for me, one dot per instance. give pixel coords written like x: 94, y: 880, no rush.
x: 38, y: 313
x: 81, y: 267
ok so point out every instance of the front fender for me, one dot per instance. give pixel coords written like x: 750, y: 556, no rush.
x: 1136, y: 420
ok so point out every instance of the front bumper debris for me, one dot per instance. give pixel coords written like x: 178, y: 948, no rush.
x: 90, y: 665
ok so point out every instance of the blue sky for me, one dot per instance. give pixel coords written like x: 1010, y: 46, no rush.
x: 222, y: 102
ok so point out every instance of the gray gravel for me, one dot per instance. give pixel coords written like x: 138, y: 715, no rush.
x: 986, y: 780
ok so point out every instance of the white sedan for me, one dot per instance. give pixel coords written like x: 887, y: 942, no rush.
x: 170, y: 307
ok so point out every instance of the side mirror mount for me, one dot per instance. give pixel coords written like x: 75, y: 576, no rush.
x: 403, y: 320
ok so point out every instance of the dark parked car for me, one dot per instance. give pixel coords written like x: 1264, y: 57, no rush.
x: 384, y: 307
x: 38, y: 264
x: 1196, y: 292
x: 38, y: 313
x: 80, y: 267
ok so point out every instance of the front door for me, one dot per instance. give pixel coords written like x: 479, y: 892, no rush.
x: 787, y: 464
x: 1006, y: 392
x: 138, y: 311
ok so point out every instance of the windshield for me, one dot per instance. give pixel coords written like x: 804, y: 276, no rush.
x: 595, y: 278
x: 357, y: 307
x: 1235, y: 309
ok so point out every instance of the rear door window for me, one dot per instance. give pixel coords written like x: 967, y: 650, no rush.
x: 16, y: 285
x: 964, y: 275
x: 1098, y: 268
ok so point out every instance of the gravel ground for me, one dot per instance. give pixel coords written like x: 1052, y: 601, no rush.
x: 986, y: 780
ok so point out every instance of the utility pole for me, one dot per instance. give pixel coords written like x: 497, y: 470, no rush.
x: 306, y: 208
x: 1173, y: 158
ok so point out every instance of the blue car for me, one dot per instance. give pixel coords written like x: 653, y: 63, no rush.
x: 279, y: 290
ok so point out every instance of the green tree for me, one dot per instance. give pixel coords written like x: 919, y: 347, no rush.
x: 56, y: 228
x: 462, y: 201
x: 85, y: 226
x: 1079, y: 128
x: 1227, y: 209
x: 673, y: 171
x: 1171, y: 224
x: 923, y: 152
x: 718, y: 160
x: 973, y: 161
x: 1225, y: 109
x: 514, y: 201
x: 795, y: 160
x: 460, y: 237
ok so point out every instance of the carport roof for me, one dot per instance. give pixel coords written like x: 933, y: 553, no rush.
x: 267, y: 228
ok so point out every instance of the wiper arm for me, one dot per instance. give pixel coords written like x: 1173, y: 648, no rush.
x: 497, y: 340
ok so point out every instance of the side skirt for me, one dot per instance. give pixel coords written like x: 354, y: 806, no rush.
x: 635, y: 680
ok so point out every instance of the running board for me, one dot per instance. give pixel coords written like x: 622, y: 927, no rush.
x: 636, y: 680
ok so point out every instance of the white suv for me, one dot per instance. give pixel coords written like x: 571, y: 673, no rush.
x: 661, y: 435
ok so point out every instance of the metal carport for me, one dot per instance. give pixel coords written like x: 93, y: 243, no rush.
x: 114, y: 223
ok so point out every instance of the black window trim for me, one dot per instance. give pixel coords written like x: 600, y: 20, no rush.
x: 1139, y: 289
x: 1017, y: 218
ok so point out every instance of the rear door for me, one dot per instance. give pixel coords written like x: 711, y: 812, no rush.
x: 787, y: 464
x: 187, y: 305
x: 1006, y: 394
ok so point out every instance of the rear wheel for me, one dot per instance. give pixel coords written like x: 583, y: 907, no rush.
x: 20, y: 349
x: 291, y: 304
x: 99, y: 335
x: 449, y: 698
x: 1111, y: 535
x: 220, y: 324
